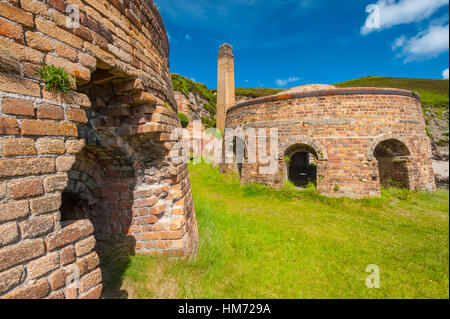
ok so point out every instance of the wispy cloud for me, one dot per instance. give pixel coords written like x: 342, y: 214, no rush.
x: 445, y: 74
x: 285, y: 82
x: 393, y: 12
x: 427, y: 44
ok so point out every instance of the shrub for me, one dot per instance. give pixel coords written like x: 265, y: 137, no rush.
x: 287, y: 159
x: 208, y: 123
x: 56, y: 79
x: 184, y: 119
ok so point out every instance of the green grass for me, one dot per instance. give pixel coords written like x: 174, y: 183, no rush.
x: 434, y: 93
x: 185, y: 85
x: 260, y: 243
x: 255, y: 93
x: 56, y: 78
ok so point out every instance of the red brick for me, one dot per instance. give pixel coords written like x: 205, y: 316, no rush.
x: 51, y: 112
x: 76, y: 115
x: 39, y: 42
x: 24, y: 251
x: 65, y: 163
x: 11, y: 278
x: 93, y: 294
x: 90, y: 280
x: 13, y: 210
x: 26, y: 166
x: 156, y: 210
x: 8, y: 126
x: 43, y: 265
x: 67, y: 255
x: 17, y: 15
x: 85, y: 246
x: 36, y: 227
x: 11, y: 31
x: 36, y: 7
x: 57, y: 279
x: 66, y: 52
x: 18, y: 147
x: 19, y: 86
x: 36, y: 290
x: 41, y: 128
x: 75, y: 146
x: 51, y: 146
x: 28, y: 187
x: 45, y: 204
x: 79, y: 71
x: 8, y: 234
x: 55, y: 182
x: 17, y: 107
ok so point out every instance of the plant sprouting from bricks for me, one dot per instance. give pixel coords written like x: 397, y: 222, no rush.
x: 184, y: 119
x: 56, y: 78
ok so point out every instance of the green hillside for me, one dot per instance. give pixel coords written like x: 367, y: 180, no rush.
x: 434, y: 93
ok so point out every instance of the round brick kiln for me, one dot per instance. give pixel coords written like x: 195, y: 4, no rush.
x: 347, y: 141
x: 93, y: 164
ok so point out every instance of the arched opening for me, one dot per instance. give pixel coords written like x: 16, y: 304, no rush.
x: 102, y: 179
x: 393, y: 158
x: 100, y: 188
x: 239, y: 153
x: 301, y: 163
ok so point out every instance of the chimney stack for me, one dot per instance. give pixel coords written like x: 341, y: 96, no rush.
x: 225, y: 84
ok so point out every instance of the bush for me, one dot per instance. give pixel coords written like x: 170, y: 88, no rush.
x: 56, y: 79
x: 208, y: 123
x: 184, y: 119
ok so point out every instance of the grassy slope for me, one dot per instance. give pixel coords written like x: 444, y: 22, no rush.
x: 433, y: 92
x: 260, y: 243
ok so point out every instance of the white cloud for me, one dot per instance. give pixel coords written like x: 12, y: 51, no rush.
x: 285, y: 82
x: 393, y: 12
x: 427, y: 44
x: 188, y: 37
x: 445, y: 74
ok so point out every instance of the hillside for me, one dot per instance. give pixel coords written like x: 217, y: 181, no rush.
x: 199, y: 102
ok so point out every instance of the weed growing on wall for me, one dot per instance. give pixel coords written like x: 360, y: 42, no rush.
x: 56, y: 79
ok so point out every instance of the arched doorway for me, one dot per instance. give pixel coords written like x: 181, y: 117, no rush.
x: 393, y: 158
x: 301, y: 161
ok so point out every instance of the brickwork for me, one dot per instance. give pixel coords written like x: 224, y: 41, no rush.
x: 225, y: 84
x: 92, y: 164
x: 343, y: 129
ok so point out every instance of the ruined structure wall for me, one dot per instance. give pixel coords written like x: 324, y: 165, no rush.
x: 118, y: 119
x: 343, y: 127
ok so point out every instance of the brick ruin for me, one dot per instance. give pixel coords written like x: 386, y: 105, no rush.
x: 348, y: 141
x: 92, y: 165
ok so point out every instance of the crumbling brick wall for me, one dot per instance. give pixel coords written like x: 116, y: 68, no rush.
x: 107, y: 145
x: 342, y: 128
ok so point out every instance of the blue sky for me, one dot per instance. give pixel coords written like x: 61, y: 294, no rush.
x: 286, y: 43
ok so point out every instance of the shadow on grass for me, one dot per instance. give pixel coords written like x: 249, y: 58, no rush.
x: 115, y: 258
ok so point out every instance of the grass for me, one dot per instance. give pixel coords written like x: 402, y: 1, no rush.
x: 434, y: 93
x: 260, y: 243
x: 56, y: 78
x: 256, y: 93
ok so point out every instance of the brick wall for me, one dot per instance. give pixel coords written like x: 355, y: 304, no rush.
x: 99, y: 155
x: 342, y: 128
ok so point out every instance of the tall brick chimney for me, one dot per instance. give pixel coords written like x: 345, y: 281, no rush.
x: 225, y: 84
